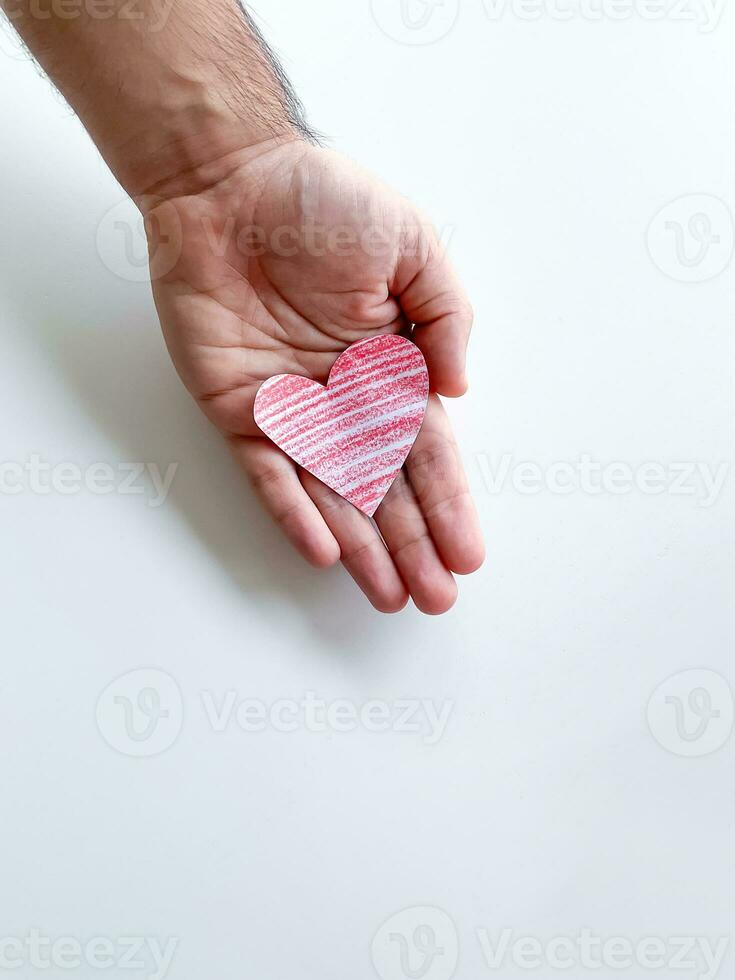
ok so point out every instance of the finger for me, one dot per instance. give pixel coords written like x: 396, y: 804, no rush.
x: 276, y: 482
x: 431, y: 296
x: 438, y: 479
x: 407, y: 536
x: 364, y: 554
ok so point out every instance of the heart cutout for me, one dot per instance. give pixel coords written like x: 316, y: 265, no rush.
x: 355, y: 433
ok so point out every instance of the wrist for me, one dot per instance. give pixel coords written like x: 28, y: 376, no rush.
x: 189, y: 147
x: 194, y: 103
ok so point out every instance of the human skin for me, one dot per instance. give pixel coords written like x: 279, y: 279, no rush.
x: 269, y: 255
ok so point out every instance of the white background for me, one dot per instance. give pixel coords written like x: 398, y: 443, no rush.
x: 546, y: 148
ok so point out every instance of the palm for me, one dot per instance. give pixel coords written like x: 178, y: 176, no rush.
x: 279, y: 267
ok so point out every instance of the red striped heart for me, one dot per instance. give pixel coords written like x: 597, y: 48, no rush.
x: 355, y: 434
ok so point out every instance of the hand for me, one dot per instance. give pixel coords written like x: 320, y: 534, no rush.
x: 273, y: 261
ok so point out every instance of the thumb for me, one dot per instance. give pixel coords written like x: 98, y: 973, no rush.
x: 432, y: 297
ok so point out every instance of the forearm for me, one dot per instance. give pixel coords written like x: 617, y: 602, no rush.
x: 165, y: 87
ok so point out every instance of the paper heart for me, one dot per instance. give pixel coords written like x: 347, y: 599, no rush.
x: 355, y: 434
